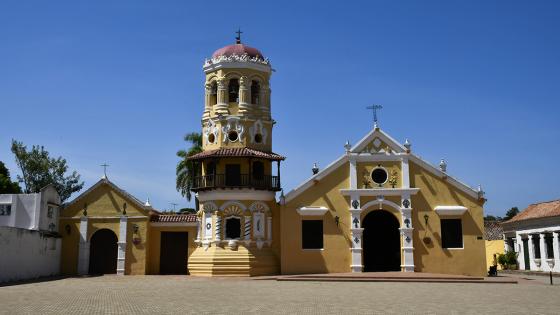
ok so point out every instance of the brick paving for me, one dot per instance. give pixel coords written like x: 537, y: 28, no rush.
x: 184, y: 295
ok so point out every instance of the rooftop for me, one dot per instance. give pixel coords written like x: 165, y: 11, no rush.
x: 539, y: 210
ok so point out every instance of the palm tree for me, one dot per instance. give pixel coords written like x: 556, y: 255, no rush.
x: 185, y: 169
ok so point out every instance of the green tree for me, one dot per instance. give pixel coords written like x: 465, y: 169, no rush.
x: 511, y: 213
x: 6, y: 184
x: 186, y: 169
x: 39, y: 170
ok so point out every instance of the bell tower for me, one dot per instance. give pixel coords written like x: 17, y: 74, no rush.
x: 236, y: 180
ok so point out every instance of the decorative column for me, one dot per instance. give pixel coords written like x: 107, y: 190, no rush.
x: 520, y: 252
x: 121, y: 256
x: 532, y: 265
x: 258, y: 228
x: 406, y: 232
x: 542, y: 245
x: 83, y: 252
x: 218, y: 229
x: 247, y: 230
x: 556, y: 251
x: 207, y: 227
x: 269, y: 231
x: 221, y: 104
x: 265, y: 99
x: 357, y: 233
x: 243, y: 95
x: 198, y: 226
x: 207, y: 98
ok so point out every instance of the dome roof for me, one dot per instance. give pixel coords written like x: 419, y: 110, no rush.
x: 237, y: 49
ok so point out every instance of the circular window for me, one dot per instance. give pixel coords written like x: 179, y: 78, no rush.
x: 379, y: 176
x: 232, y: 136
x: 258, y: 138
x: 211, y: 138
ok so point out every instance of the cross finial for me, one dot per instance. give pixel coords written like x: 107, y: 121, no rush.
x: 104, y: 165
x: 238, y: 37
x: 374, y: 108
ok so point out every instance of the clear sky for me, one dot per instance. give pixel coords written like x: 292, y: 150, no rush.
x: 474, y: 82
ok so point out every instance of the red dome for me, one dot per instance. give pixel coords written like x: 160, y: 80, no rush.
x: 237, y: 49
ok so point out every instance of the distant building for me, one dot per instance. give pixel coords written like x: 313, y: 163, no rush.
x: 494, y: 241
x: 29, y: 241
x: 533, y: 234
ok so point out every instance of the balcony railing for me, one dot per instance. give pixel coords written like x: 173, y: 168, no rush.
x: 262, y: 182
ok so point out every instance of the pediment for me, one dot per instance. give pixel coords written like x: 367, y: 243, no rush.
x: 377, y: 141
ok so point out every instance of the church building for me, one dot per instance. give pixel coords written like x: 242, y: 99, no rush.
x: 378, y: 207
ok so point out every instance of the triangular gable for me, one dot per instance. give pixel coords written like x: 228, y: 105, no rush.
x: 105, y: 181
x: 377, y: 141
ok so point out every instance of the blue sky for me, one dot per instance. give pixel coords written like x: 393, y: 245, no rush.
x: 120, y: 82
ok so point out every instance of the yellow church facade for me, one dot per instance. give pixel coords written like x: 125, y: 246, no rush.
x: 378, y: 207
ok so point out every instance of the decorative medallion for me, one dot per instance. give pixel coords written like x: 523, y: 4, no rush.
x: 208, y: 226
x: 406, y: 203
x: 407, y: 222
x: 355, y: 204
x: 356, y: 222
x: 408, y: 239
x: 356, y: 240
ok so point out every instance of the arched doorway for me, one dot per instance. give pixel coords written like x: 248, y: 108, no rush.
x: 103, y: 252
x: 381, y: 242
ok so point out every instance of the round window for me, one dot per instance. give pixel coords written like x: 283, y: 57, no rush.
x: 379, y: 176
x: 211, y: 138
x: 258, y: 138
x: 232, y: 136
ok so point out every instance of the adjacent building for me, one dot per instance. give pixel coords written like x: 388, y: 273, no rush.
x: 533, y: 234
x: 30, y: 245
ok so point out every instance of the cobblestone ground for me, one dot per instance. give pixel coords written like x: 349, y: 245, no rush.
x: 181, y: 295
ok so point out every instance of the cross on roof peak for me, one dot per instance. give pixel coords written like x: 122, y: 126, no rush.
x: 238, y: 37
x: 374, y: 108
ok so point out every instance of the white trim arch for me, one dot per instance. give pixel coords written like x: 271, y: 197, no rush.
x: 259, y: 206
x: 209, y: 206
x: 380, y: 203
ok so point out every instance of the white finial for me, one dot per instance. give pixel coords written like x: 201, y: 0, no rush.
x: 442, y: 166
x: 347, y: 146
x: 480, y: 191
x: 315, y: 169
x: 148, y: 204
x: 407, y: 145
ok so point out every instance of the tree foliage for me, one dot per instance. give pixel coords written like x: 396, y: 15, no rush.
x: 185, y: 169
x: 39, y: 170
x: 511, y: 213
x: 6, y: 184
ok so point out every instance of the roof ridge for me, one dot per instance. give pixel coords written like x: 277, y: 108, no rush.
x: 549, y: 201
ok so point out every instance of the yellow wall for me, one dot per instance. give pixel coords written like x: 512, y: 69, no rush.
x: 104, y: 209
x: 493, y: 247
x: 428, y: 257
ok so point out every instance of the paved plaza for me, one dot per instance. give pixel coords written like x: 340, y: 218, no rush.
x: 180, y: 295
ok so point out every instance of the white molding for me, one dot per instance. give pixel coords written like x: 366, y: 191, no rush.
x: 377, y: 157
x: 450, y: 210
x: 173, y: 224
x: 236, y: 194
x: 378, y: 133
x: 379, y: 191
x: 312, y: 211
x: 380, y: 203
x: 227, y: 204
x: 259, y: 206
x: 104, y: 217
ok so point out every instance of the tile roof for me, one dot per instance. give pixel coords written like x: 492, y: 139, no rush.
x: 237, y: 152
x: 174, y: 218
x: 539, y: 210
x: 493, y: 230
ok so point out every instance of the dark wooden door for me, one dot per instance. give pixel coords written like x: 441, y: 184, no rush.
x: 381, y: 242
x: 174, y: 253
x: 526, y: 254
x: 103, y: 252
x: 233, y: 175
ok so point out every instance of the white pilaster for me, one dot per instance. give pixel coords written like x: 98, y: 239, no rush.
x: 121, y: 256
x: 353, y: 173
x: 83, y: 253
x: 556, y: 251
x: 532, y: 265
x: 405, y: 173
x: 406, y: 232
x: 218, y: 229
x: 357, y: 233
x: 520, y: 252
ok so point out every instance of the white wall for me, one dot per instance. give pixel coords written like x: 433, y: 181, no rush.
x: 26, y: 254
x: 30, y: 211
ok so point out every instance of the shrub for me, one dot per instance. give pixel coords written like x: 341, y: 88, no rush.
x: 507, y: 260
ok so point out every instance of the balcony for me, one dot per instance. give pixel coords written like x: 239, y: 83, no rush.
x: 263, y: 182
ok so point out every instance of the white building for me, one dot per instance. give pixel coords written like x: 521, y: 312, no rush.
x: 29, y: 242
x: 533, y: 234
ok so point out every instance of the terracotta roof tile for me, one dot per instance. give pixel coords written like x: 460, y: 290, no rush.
x: 539, y: 210
x: 493, y: 230
x: 237, y: 152
x: 174, y: 218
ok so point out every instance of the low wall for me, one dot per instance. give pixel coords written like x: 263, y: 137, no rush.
x: 26, y: 254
